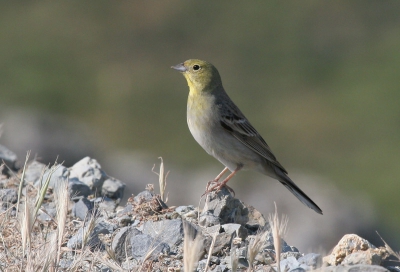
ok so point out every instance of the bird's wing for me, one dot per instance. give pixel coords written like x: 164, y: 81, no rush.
x: 233, y: 120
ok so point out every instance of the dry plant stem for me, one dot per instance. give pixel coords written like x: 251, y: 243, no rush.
x: 389, y: 249
x: 210, y: 251
x: 61, y: 197
x: 255, y: 246
x: 21, y: 183
x: 191, y: 248
x: 25, y: 228
x: 234, y: 258
x: 162, y: 179
x: 278, y: 228
x: 43, y: 189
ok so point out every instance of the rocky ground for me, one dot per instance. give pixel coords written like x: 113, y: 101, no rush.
x: 69, y: 219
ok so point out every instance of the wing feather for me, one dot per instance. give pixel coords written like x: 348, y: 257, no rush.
x: 236, y: 123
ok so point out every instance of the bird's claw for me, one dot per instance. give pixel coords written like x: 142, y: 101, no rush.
x: 217, y: 187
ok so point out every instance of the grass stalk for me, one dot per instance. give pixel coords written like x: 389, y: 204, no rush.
x: 278, y: 228
x: 162, y: 179
x: 192, y: 245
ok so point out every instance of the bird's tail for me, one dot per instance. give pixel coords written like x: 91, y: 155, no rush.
x: 292, y: 187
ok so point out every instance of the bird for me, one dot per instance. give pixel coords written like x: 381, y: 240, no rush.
x: 223, y: 131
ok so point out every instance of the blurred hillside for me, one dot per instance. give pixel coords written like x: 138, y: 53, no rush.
x: 319, y: 80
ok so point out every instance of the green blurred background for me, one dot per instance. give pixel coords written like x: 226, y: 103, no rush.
x: 318, y: 79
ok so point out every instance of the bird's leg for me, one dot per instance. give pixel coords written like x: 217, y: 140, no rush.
x: 223, y: 183
x: 216, y: 179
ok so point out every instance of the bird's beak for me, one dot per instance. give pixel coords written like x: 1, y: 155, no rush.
x: 179, y: 67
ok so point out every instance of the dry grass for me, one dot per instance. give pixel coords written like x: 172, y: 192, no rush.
x: 192, y: 246
x: 234, y: 258
x: 162, y: 180
x: 214, y: 238
x: 29, y: 244
x: 389, y: 249
x: 278, y: 228
x: 255, y: 245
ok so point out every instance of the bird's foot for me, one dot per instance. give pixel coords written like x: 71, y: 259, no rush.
x: 217, y: 187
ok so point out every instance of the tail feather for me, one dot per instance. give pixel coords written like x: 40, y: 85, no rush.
x: 294, y: 189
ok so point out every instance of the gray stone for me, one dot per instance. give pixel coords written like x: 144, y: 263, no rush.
x: 83, y: 208
x: 131, y: 242
x: 312, y: 260
x: 289, y: 264
x: 106, y: 204
x: 89, y: 171
x: 49, y: 212
x: 184, y: 209
x: 102, y: 227
x: 362, y: 257
x: 119, y: 245
x: 353, y: 268
x: 124, y: 220
x: 33, y: 171
x: 143, y: 244
x: 60, y: 174
x: 113, y: 189
x: 144, y: 196
x: 127, y: 210
x: 9, y: 158
x: 213, y: 229
x: 168, y: 231
x: 9, y: 196
x: 65, y: 263
x: 236, y: 229
x: 78, y: 188
x: 207, y: 219
x: 49, y: 215
x: 347, y: 245
x: 223, y: 240
x: 225, y: 207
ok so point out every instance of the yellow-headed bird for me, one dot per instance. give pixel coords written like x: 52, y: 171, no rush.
x: 224, y: 132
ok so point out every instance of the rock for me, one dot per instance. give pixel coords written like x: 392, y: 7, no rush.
x: 34, y: 171
x: 105, y: 204
x: 353, y: 268
x: 236, y: 229
x: 311, y: 260
x: 144, y: 196
x: 351, y: 243
x: 89, y: 171
x: 127, y: 210
x: 119, y: 246
x: 184, y: 209
x: 82, y: 208
x: 124, y: 221
x: 131, y: 242
x: 60, y: 173
x: 113, y: 189
x: 289, y: 264
x: 49, y: 212
x: 223, y: 208
x: 9, y: 196
x: 143, y: 244
x: 101, y: 227
x: 9, y: 158
x: 256, y: 220
x: 168, y: 231
x: 362, y: 257
x: 78, y: 188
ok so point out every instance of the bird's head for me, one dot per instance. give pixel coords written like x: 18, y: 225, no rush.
x: 200, y: 75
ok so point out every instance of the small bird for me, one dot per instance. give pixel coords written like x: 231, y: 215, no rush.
x: 224, y: 132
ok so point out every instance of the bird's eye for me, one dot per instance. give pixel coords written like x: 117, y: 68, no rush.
x: 196, y: 67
